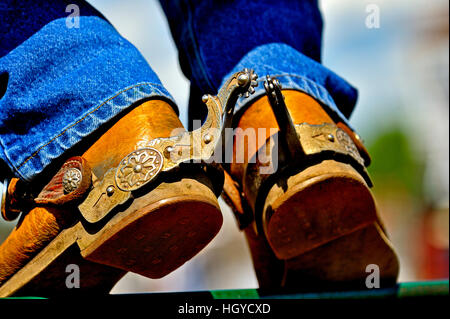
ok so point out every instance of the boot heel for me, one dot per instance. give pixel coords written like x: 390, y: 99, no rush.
x: 344, y: 263
x: 326, y: 229
x: 162, y: 230
x: 322, y: 203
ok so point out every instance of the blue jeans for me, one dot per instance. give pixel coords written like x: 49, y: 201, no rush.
x: 59, y: 83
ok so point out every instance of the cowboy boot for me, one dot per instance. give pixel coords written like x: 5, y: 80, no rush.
x: 141, y: 198
x: 312, y: 222
x: 150, y: 230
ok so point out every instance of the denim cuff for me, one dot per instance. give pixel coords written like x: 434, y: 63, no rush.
x: 298, y: 72
x: 62, y: 85
x: 43, y: 156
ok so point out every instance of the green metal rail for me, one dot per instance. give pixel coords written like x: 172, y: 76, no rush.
x: 401, y: 290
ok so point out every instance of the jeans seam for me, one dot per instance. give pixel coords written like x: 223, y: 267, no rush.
x: 17, y: 168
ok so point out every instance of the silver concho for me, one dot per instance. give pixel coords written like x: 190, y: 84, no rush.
x: 71, y: 180
x: 138, y: 168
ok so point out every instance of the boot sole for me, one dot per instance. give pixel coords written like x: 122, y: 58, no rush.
x: 326, y: 205
x: 344, y: 263
x: 154, y: 235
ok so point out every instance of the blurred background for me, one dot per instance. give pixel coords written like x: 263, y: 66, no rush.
x: 401, y: 70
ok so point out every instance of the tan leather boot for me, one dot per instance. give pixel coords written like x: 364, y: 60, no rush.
x: 122, y: 225
x: 313, y: 223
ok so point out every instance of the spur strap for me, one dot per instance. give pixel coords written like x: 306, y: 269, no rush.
x: 70, y: 184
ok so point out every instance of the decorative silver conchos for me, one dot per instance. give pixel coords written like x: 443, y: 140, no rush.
x: 71, y: 179
x: 138, y: 168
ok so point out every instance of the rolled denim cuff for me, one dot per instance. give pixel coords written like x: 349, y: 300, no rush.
x: 62, y: 85
x: 298, y: 72
x: 34, y: 161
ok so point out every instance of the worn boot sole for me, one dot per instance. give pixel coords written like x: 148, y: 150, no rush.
x: 153, y: 236
x: 324, y: 224
x: 345, y: 263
